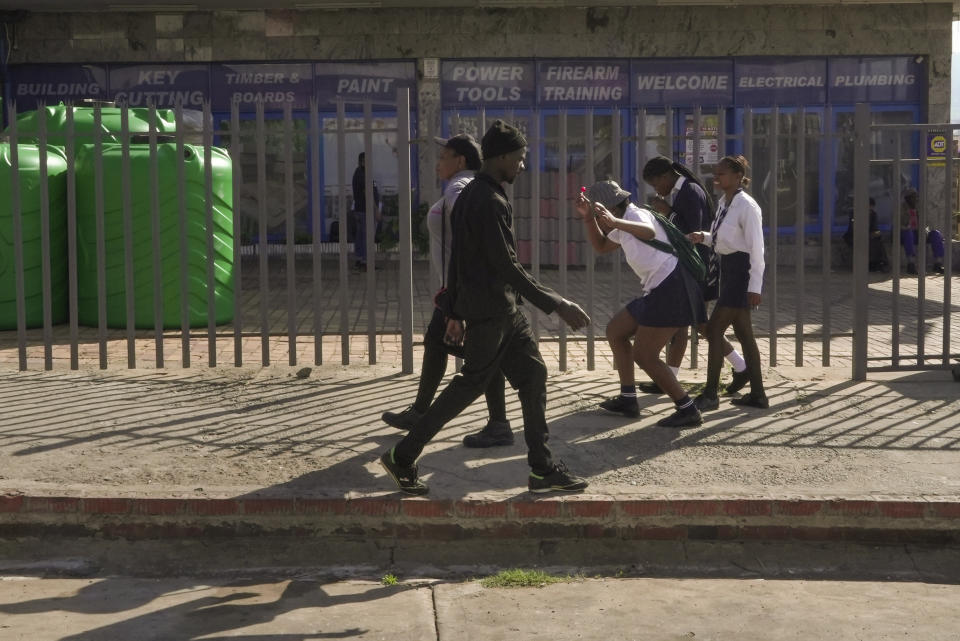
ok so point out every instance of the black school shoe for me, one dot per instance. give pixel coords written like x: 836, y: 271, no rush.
x: 690, y: 417
x: 405, y: 420
x: 649, y: 388
x: 705, y: 402
x: 494, y: 434
x: 558, y: 480
x: 738, y: 381
x: 404, y: 476
x: 622, y: 405
x: 752, y: 400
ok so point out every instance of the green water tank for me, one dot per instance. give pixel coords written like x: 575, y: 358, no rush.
x: 169, y: 236
x: 29, y: 174
x: 83, y: 124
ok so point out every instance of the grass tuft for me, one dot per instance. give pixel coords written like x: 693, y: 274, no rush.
x: 519, y: 578
x: 389, y: 579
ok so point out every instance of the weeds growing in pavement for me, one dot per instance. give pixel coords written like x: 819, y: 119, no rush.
x: 519, y: 578
x: 389, y: 579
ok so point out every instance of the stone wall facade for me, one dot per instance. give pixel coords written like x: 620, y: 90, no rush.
x: 612, y: 32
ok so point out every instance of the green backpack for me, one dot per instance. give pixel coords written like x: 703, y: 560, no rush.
x: 681, y: 247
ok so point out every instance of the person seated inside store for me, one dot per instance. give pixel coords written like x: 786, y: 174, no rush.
x: 878, y: 261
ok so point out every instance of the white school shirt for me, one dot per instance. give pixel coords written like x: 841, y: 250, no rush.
x: 651, y: 265
x: 440, y: 251
x: 741, y: 231
x: 673, y: 192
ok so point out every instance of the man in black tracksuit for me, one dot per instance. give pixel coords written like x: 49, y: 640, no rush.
x: 486, y: 283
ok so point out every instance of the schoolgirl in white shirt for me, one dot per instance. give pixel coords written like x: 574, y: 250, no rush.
x: 671, y: 299
x: 737, y: 240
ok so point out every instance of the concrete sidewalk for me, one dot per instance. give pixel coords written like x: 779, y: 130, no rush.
x: 305, y: 608
x: 184, y: 454
x: 316, y: 432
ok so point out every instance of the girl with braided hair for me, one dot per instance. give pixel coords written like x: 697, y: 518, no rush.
x: 682, y: 198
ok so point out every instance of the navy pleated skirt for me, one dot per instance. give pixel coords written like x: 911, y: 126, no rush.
x: 676, y: 302
x: 734, y: 280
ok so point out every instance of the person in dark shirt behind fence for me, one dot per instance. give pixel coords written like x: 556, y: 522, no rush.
x: 910, y: 233
x: 485, y: 285
x: 359, y: 185
x: 878, y: 260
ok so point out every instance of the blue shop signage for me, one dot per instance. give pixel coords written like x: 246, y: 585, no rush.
x: 583, y: 83
x: 31, y: 85
x: 356, y: 82
x: 164, y: 85
x: 488, y: 83
x: 877, y: 79
x: 682, y: 82
x: 787, y: 81
x: 275, y: 85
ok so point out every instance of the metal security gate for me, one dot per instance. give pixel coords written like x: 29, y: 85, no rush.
x: 915, y: 320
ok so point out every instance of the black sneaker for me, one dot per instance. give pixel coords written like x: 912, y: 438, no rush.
x: 752, y: 400
x: 938, y: 268
x: 690, y: 417
x: 558, y: 480
x: 494, y: 434
x: 649, y: 388
x: 405, y: 477
x: 738, y: 381
x: 405, y: 420
x: 622, y: 405
x: 705, y: 402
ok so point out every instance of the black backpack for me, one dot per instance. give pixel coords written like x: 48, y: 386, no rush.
x: 681, y: 247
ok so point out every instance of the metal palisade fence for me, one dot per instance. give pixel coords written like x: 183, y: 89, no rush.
x: 906, y: 330
x: 130, y: 232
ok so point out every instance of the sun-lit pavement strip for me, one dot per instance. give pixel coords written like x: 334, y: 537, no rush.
x: 624, y: 609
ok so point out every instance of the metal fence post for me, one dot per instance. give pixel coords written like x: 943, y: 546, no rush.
x: 405, y: 285
x: 291, y: 239
x: 861, y: 215
x: 237, y: 234
x: 562, y: 228
x: 182, y: 222
x: 17, y: 216
x: 155, y: 235
x: 773, y: 246
x: 588, y: 255
x: 99, y: 226
x: 316, y: 231
x: 264, y: 289
x: 344, y: 227
x: 370, y: 225
x: 72, y: 240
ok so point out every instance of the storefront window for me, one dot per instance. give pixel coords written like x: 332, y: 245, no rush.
x: 784, y: 176
x: 884, y: 144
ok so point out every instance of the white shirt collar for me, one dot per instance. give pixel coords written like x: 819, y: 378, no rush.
x: 677, y: 185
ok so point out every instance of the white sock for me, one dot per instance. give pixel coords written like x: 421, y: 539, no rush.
x: 675, y: 370
x: 736, y: 360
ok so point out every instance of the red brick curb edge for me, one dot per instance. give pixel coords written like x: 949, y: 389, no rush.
x: 568, y: 517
